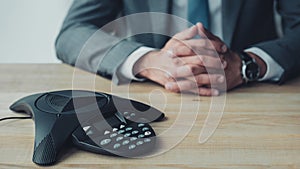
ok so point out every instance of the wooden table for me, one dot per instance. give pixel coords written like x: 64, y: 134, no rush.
x: 260, y: 127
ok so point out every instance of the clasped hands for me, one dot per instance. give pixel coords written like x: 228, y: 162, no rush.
x: 203, y: 66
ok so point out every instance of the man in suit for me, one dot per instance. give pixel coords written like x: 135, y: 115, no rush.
x: 242, y: 32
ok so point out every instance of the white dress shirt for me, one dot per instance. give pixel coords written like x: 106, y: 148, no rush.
x: 274, y: 70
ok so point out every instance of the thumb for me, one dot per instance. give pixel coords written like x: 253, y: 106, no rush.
x: 203, y: 32
x: 187, y: 33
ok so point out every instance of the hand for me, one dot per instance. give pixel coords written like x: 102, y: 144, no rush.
x: 210, y: 52
x: 164, y: 66
x: 182, y: 43
x: 232, y: 70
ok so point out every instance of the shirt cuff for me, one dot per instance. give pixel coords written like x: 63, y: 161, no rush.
x: 274, y: 70
x: 126, y: 69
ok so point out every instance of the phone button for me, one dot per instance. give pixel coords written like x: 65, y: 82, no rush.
x: 105, y: 142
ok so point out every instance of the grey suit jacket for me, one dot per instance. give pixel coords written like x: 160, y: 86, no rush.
x: 246, y: 23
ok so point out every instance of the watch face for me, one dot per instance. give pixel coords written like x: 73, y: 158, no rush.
x: 252, y: 71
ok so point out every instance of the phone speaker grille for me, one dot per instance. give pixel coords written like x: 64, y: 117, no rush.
x: 56, y: 101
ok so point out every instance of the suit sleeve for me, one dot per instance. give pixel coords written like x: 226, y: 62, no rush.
x: 103, y: 53
x: 286, y: 50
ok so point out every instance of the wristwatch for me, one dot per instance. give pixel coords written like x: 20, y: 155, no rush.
x: 250, y: 69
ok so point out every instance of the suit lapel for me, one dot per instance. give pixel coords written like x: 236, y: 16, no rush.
x: 230, y: 15
x: 159, y: 24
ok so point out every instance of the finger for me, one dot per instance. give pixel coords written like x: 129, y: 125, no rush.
x: 181, y: 86
x: 204, y: 33
x: 188, y: 86
x: 159, y: 76
x: 206, y: 91
x: 204, y: 51
x: 166, y: 78
x: 197, y: 44
x: 208, y: 79
x: 203, y: 60
x: 188, y: 70
x: 187, y: 33
x: 196, y: 81
x: 183, y: 50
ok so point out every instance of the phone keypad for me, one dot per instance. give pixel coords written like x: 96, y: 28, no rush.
x: 127, y: 137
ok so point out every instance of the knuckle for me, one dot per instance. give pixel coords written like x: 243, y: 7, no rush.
x: 201, y: 60
x: 174, y: 52
x: 176, y: 61
x: 193, y: 69
x: 169, y: 77
x: 171, y: 53
x: 189, y: 69
x: 188, y: 50
x: 170, y: 74
x: 173, y: 75
x: 176, y: 43
x: 191, y: 50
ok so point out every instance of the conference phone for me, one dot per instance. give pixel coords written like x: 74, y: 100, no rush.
x: 92, y: 121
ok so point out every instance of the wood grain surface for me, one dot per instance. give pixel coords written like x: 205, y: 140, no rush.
x: 260, y: 127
